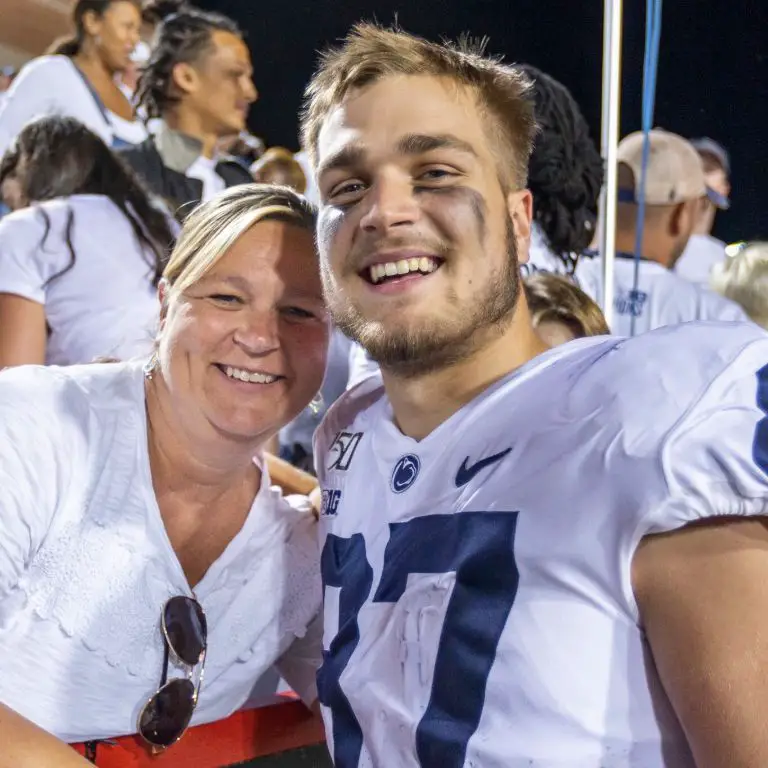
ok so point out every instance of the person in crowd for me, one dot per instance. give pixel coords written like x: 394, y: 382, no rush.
x: 743, y: 278
x: 565, y: 176
x: 703, y: 250
x: 717, y: 171
x: 560, y: 310
x: 295, y: 439
x: 141, y: 536
x: 674, y: 187
x: 530, y: 556
x: 154, y: 11
x: 198, y: 86
x: 83, y: 79
x: 81, y: 259
x: 279, y: 166
x: 244, y: 147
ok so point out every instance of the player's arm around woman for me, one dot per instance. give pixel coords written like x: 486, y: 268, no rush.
x: 142, y: 540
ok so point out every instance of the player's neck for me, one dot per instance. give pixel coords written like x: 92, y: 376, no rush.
x: 421, y: 404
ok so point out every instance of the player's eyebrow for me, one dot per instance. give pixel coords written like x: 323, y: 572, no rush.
x: 346, y: 157
x: 420, y: 143
x: 411, y: 144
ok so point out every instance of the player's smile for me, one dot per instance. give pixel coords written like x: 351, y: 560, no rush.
x: 397, y: 271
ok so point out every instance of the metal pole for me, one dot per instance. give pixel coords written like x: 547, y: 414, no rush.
x: 609, y: 137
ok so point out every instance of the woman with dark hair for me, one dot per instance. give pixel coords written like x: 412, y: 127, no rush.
x: 81, y: 79
x: 565, y: 177
x: 197, y: 85
x: 81, y: 260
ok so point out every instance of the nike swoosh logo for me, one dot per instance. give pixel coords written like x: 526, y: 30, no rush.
x: 466, y: 473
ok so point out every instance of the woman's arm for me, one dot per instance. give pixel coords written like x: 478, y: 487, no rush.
x: 24, y: 334
x: 27, y: 746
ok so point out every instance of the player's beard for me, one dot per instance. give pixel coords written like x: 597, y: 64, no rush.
x: 415, y: 351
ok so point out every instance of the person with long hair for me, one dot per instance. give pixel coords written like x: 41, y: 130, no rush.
x: 565, y: 175
x: 81, y: 77
x: 81, y: 259
x: 196, y: 88
x: 143, y: 540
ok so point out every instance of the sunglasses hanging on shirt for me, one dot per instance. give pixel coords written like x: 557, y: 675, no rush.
x: 166, y: 716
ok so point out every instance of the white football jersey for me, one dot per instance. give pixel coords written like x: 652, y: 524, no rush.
x: 660, y: 298
x: 479, y: 609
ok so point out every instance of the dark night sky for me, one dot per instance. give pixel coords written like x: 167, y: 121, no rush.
x: 713, y: 68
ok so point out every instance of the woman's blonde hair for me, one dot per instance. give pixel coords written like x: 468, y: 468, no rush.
x: 743, y: 278
x: 554, y: 299
x: 214, y: 227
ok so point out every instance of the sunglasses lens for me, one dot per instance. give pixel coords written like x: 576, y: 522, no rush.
x: 186, y: 628
x: 167, y: 714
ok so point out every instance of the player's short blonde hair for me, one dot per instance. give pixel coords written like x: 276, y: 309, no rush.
x: 214, y: 227
x: 554, y: 299
x: 743, y: 278
x: 371, y: 52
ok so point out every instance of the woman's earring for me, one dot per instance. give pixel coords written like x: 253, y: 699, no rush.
x: 317, y: 404
x: 149, y: 366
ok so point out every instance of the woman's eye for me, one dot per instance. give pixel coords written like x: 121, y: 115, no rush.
x: 226, y: 298
x: 298, y: 313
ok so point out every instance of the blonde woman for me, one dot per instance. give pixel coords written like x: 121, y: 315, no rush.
x: 141, y: 536
x: 743, y: 278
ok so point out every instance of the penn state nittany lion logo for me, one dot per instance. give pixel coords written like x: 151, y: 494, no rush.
x: 405, y: 473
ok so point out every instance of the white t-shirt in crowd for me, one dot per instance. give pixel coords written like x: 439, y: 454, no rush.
x: 204, y: 169
x: 699, y: 257
x: 479, y: 609
x: 86, y: 565
x: 51, y: 85
x: 661, y: 298
x: 105, y: 305
x: 541, y: 258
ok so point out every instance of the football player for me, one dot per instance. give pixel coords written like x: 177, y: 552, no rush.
x: 531, y: 557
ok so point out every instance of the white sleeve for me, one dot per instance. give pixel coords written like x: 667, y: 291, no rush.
x: 28, y: 256
x: 716, y: 459
x: 33, y: 468
x: 299, y: 664
x: 361, y: 366
x: 48, y: 85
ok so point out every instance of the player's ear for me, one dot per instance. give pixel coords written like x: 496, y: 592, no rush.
x: 520, y: 210
x: 682, y: 218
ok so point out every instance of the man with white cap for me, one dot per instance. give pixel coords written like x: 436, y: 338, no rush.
x: 647, y: 293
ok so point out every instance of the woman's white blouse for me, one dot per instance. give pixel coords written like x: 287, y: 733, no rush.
x: 86, y: 565
x: 106, y: 304
x: 51, y: 85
